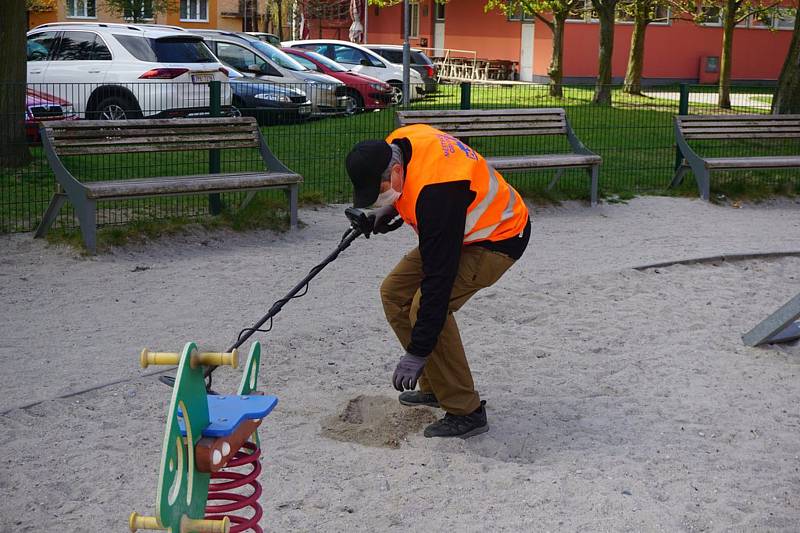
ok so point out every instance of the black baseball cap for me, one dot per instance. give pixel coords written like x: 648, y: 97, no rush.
x: 365, y: 164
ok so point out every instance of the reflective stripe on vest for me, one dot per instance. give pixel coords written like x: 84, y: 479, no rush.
x: 496, y: 213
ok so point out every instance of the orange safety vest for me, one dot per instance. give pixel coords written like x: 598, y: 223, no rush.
x: 496, y: 213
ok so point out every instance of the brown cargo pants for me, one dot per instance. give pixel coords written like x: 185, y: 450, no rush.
x: 447, y: 373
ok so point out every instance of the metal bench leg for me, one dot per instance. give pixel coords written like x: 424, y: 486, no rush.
x: 50, y: 214
x: 704, y: 183
x: 247, y: 199
x: 595, y: 174
x: 87, y: 218
x: 292, y: 193
x: 556, y: 178
x: 679, y: 175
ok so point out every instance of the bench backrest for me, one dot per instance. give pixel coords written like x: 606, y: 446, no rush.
x: 739, y: 126
x: 90, y: 137
x: 489, y: 122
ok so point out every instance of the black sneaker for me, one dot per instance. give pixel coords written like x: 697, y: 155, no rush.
x: 460, y: 426
x: 415, y: 398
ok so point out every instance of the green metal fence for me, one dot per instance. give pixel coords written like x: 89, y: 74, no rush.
x: 634, y: 136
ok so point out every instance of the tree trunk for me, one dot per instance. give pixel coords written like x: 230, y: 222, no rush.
x: 13, y: 144
x: 633, y: 75
x: 605, y: 12
x: 556, y: 69
x: 787, y: 94
x: 728, y: 25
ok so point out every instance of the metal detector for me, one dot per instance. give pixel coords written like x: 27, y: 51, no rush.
x: 362, y: 222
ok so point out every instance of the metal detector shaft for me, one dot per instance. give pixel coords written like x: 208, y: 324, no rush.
x: 351, y: 235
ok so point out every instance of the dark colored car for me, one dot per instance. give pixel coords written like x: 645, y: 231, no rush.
x: 419, y: 62
x: 41, y: 107
x: 365, y: 92
x: 270, y: 103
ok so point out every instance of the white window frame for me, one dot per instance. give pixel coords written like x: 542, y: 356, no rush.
x: 436, y: 7
x: 85, y: 4
x: 666, y: 22
x: 775, y: 19
x: 197, y: 13
x: 717, y: 24
x: 413, y: 26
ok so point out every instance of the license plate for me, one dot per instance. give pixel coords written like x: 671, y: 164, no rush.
x: 202, y: 78
x: 304, y: 110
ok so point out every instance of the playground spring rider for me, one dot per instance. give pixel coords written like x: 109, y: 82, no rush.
x: 210, y: 448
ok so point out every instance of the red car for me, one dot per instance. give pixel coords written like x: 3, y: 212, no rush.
x: 41, y: 107
x: 365, y: 92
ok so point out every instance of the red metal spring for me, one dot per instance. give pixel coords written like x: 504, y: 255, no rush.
x: 247, y: 455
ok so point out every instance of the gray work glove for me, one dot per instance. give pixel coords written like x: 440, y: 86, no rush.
x: 383, y: 217
x: 408, y: 371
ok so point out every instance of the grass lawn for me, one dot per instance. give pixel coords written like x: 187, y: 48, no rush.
x: 634, y: 136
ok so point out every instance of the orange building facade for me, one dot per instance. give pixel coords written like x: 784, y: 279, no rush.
x: 674, y: 50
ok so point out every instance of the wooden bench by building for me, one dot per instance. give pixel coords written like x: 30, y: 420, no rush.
x: 731, y: 128
x: 470, y: 123
x: 93, y: 137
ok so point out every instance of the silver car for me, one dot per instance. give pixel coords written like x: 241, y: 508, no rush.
x: 257, y: 59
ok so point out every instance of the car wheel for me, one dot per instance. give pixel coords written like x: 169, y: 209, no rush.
x: 354, y: 103
x: 117, y: 108
x: 397, y: 93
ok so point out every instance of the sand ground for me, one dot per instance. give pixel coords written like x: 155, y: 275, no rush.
x: 618, y: 399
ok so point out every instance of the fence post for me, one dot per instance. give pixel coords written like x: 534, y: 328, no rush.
x: 683, y: 109
x: 466, y: 94
x: 215, y: 110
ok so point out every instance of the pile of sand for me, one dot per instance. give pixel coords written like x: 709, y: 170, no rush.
x: 376, y: 421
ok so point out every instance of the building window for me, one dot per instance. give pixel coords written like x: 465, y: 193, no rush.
x: 784, y: 18
x: 84, y: 9
x: 710, y: 16
x: 583, y: 13
x: 439, y: 12
x: 413, y: 30
x: 194, y: 10
x: 519, y: 15
x: 624, y: 15
x: 145, y: 14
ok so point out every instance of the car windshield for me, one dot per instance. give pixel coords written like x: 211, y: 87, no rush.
x: 278, y: 56
x: 167, y: 50
x: 330, y: 63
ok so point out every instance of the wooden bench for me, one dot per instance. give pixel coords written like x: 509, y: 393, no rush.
x: 731, y: 128
x: 93, y: 137
x: 470, y: 123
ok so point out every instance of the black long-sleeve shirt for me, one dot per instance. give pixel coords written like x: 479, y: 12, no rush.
x: 441, y: 211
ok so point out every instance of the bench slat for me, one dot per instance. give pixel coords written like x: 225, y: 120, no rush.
x: 509, y: 132
x: 100, y: 133
x: 734, y: 117
x: 753, y: 162
x: 543, y: 161
x: 188, y: 184
x: 743, y: 135
x: 504, y: 121
x: 742, y: 124
x: 167, y: 147
x: 148, y: 122
x: 479, y: 112
x: 248, y: 137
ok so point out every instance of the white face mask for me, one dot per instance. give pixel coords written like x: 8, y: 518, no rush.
x: 387, y: 197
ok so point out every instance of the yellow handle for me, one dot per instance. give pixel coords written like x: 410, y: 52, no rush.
x: 137, y: 521
x: 230, y: 359
x: 191, y: 525
x: 148, y: 358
